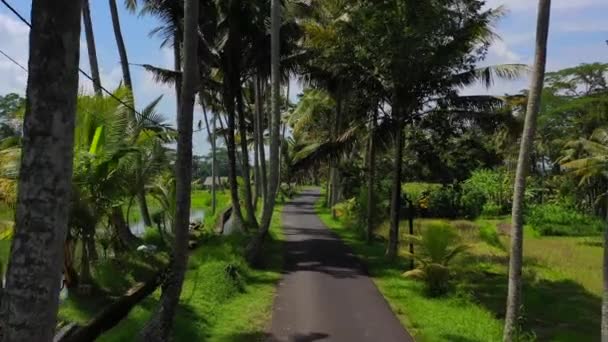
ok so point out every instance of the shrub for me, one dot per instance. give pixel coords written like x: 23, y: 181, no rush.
x: 560, y: 220
x: 492, y: 210
x: 443, y: 202
x: 346, y: 211
x: 153, y: 237
x: 438, y: 244
x: 496, y: 186
x: 472, y: 203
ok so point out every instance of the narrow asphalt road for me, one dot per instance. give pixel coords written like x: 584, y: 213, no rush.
x: 325, y: 295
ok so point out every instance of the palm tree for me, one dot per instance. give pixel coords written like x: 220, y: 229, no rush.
x: 159, y: 326
x: 126, y: 75
x: 91, y: 48
x: 523, y: 165
x: 31, y: 298
x: 255, y: 246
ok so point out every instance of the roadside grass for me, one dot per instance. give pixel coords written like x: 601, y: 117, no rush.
x: 223, y: 299
x: 562, y: 284
x: 115, y: 275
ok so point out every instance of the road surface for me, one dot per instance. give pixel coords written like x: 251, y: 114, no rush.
x: 325, y: 295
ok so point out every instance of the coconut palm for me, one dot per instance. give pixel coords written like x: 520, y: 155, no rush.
x: 34, y: 271
x: 159, y: 326
x: 438, y: 244
x: 523, y: 164
x: 533, y: 107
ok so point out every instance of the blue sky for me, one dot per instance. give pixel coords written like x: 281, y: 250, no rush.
x: 578, y: 34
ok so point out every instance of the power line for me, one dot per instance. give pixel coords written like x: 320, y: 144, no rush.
x: 79, y: 69
x: 13, y: 60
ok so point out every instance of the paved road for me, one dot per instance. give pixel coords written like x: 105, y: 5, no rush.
x: 325, y: 294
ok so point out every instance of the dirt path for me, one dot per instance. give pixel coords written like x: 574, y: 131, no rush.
x: 325, y: 294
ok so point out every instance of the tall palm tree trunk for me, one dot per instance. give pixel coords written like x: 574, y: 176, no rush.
x: 259, y: 132
x: 393, y: 239
x: 159, y: 326
x: 126, y: 75
x: 334, y: 197
x: 211, y: 135
x: 251, y: 219
x: 255, y: 246
x: 31, y: 298
x: 91, y: 48
x: 120, y: 42
x: 232, y: 177
x: 523, y: 166
x: 371, y: 178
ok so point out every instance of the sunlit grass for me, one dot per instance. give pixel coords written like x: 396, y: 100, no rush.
x: 217, y: 305
x: 562, y: 284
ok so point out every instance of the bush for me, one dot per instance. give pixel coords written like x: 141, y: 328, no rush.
x: 438, y: 244
x: 346, y: 211
x: 561, y: 220
x: 152, y: 237
x: 496, y: 187
x: 492, y: 210
x: 472, y: 203
x: 451, y: 202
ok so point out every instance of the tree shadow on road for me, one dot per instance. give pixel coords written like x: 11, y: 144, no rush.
x: 259, y: 336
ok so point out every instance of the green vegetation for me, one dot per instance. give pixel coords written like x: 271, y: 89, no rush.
x: 564, y: 271
x: 436, y: 247
x: 429, y: 319
x: 556, y: 220
x: 223, y: 299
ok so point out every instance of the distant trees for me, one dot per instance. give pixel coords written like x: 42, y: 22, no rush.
x: 33, y: 278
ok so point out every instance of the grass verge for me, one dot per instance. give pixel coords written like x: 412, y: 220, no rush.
x: 562, y: 284
x: 452, y: 318
x: 223, y: 299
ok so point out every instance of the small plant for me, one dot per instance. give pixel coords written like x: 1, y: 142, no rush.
x: 438, y: 245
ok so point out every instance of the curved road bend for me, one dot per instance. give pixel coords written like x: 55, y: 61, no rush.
x: 325, y: 295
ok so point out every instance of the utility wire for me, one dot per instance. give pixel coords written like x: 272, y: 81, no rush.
x: 13, y: 60
x: 79, y: 69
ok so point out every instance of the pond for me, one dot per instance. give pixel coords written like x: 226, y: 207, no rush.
x: 139, y: 227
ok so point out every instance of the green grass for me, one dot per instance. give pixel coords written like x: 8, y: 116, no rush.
x: 444, y: 319
x: 216, y: 306
x: 562, y: 284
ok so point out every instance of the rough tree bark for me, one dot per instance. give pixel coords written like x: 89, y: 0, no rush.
x: 251, y: 219
x: 33, y: 279
x: 523, y: 165
x: 91, y: 48
x: 159, y: 326
x: 259, y: 132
